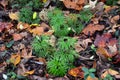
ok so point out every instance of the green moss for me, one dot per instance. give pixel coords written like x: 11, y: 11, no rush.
x: 41, y: 46
x: 58, y: 23
x: 26, y: 15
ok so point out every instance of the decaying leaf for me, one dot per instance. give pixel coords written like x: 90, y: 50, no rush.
x: 77, y: 72
x: 14, y: 16
x: 29, y: 73
x: 90, y: 78
x: 82, y: 44
x: 15, y: 59
x: 23, y: 71
x: 17, y: 37
x: 4, y: 3
x: 43, y: 15
x: 2, y: 66
x: 25, y: 54
x: 91, y: 28
x: 5, y: 25
x: 115, y: 19
x: 104, y: 53
x: 22, y: 25
x: 101, y: 41
x: 110, y: 72
x: 74, y: 4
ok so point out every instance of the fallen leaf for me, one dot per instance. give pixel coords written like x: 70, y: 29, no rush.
x: 14, y: 16
x: 5, y: 25
x: 104, y: 53
x: 91, y: 28
x: 37, y: 31
x: 74, y: 4
x: 2, y: 67
x: 90, y: 78
x: 114, y: 19
x: 25, y: 54
x: 23, y: 25
x: 17, y: 37
x: 76, y: 72
x: 15, y: 59
x: 109, y: 8
x: 43, y: 15
x: 100, y: 41
x: 82, y: 44
x: 29, y: 73
x: 4, y: 3
x: 91, y: 4
x: 110, y: 72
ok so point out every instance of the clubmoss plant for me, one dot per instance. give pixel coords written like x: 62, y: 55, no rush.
x: 58, y: 65
x: 60, y: 57
x: 26, y: 16
x: 58, y: 23
x: 34, y: 4
x: 42, y: 47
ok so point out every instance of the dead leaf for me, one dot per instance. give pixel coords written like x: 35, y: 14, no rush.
x: 4, y: 3
x: 25, y: 54
x: 15, y: 59
x: 37, y: 31
x: 115, y: 19
x: 5, y: 25
x: 82, y: 44
x: 104, y: 53
x: 74, y: 4
x: 2, y: 67
x: 100, y: 41
x: 110, y: 72
x: 90, y: 78
x: 43, y: 15
x: 23, y: 25
x: 29, y: 73
x: 14, y: 16
x: 109, y: 8
x: 91, y: 28
x: 76, y: 72
x: 17, y: 37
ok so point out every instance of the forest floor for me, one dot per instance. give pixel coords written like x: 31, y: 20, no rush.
x: 59, y: 40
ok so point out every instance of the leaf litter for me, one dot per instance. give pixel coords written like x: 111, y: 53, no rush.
x: 98, y: 44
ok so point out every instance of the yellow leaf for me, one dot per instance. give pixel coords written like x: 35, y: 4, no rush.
x: 15, y: 59
x: 34, y: 15
x: 14, y: 16
x: 44, y: 1
x: 29, y: 73
x: 109, y: 71
x: 90, y: 78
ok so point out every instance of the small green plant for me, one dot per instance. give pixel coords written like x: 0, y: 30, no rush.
x: 58, y: 23
x: 34, y: 4
x: 26, y: 16
x: 42, y: 47
x: 88, y: 72
x: 109, y: 77
x: 58, y: 65
x: 85, y: 15
x: 60, y: 57
x: 111, y: 2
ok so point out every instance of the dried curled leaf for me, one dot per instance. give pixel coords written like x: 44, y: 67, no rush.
x: 29, y: 73
x: 91, y: 28
x: 74, y: 4
x: 77, y: 72
x: 17, y: 37
x: 15, y: 59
